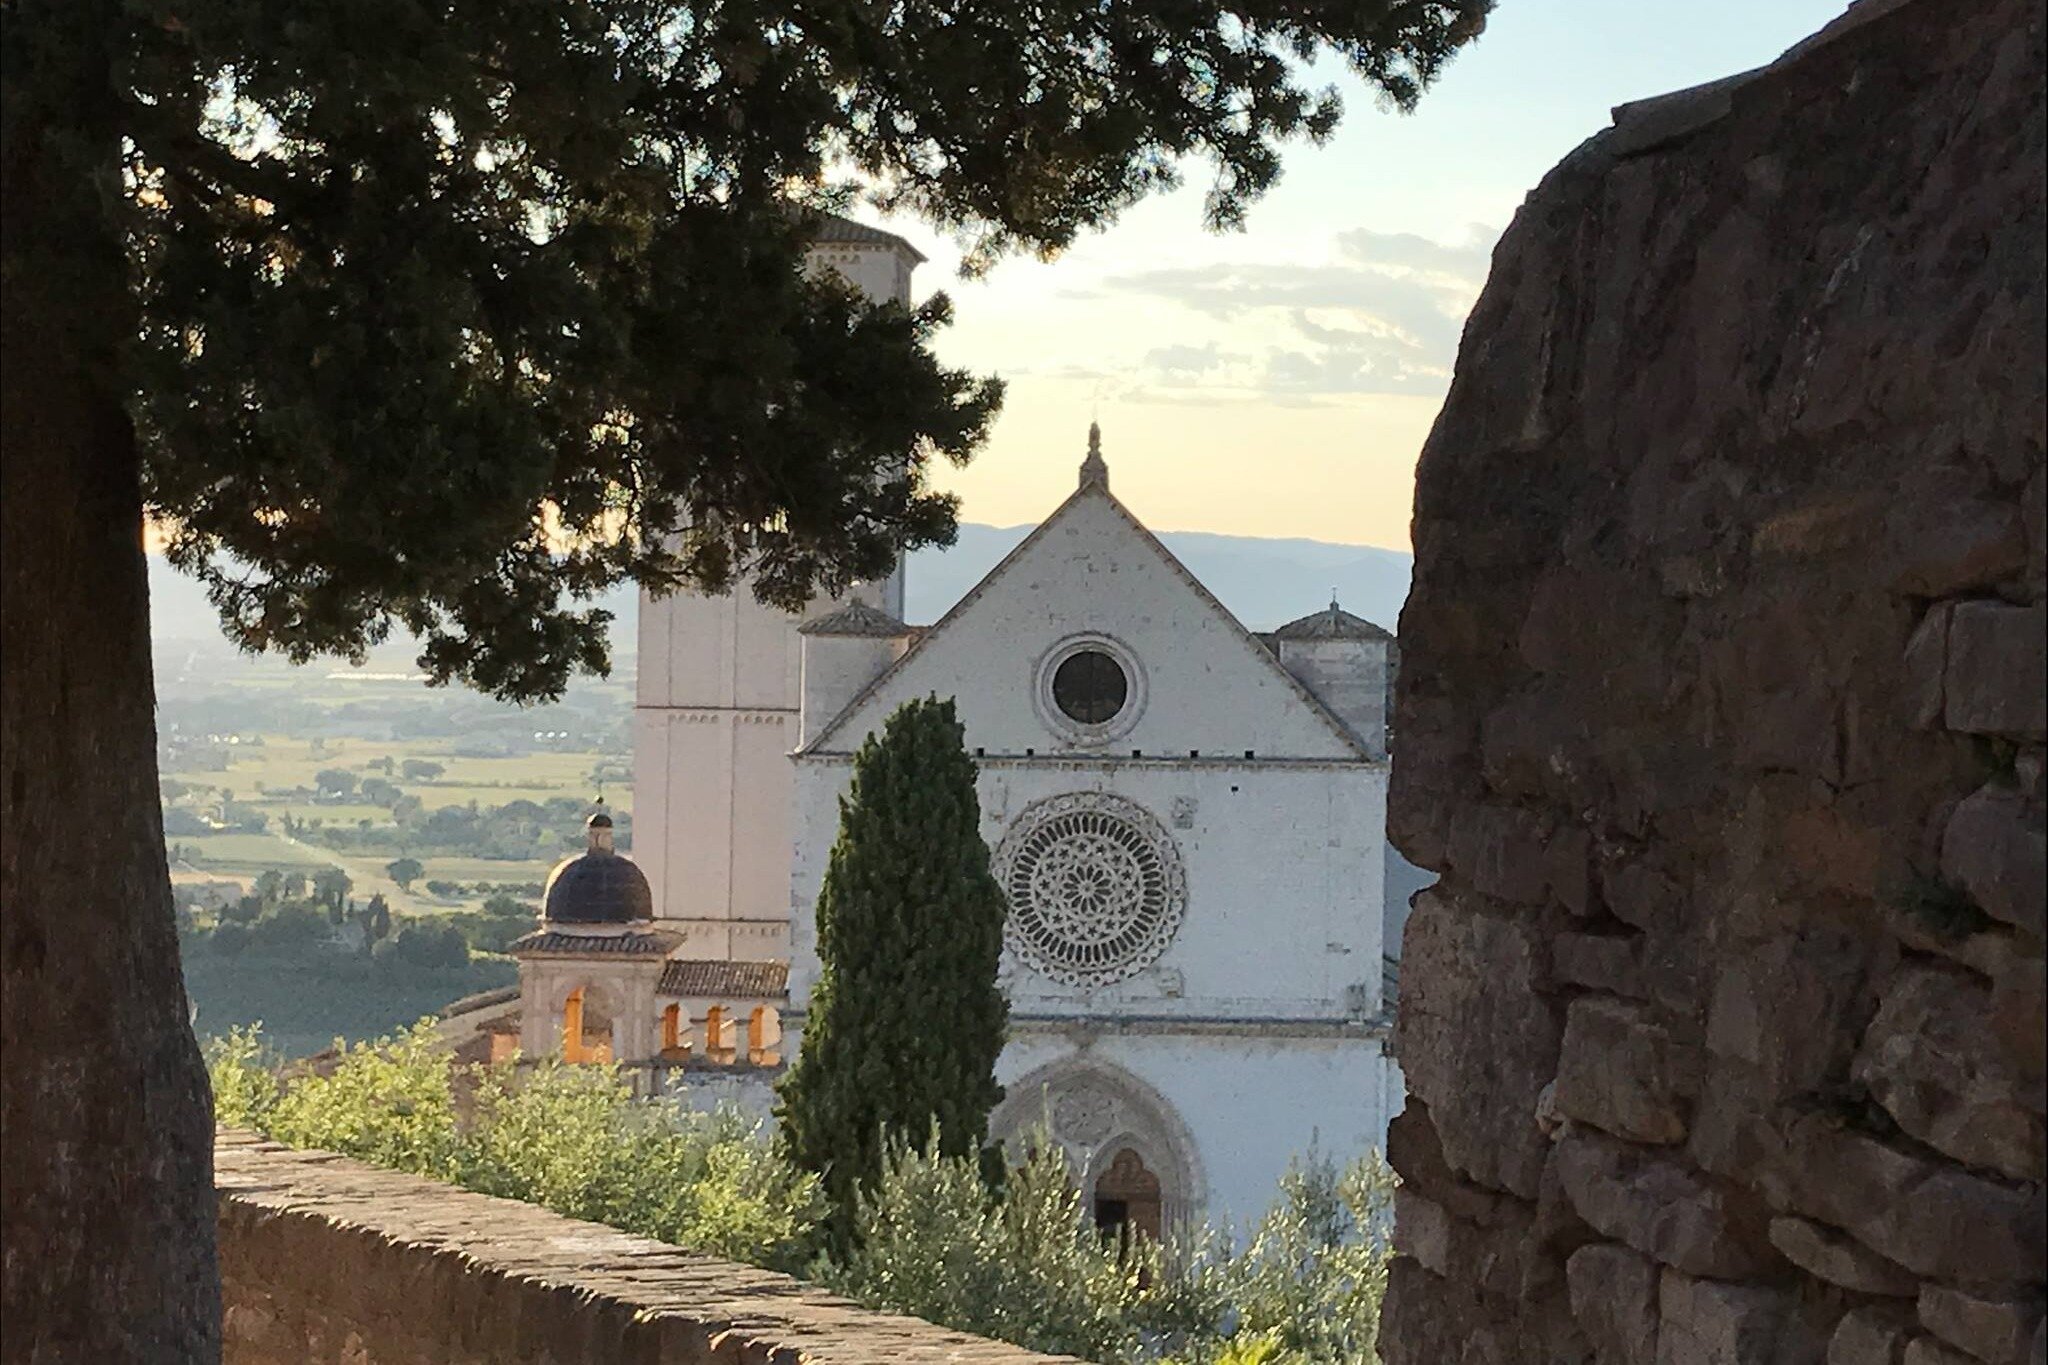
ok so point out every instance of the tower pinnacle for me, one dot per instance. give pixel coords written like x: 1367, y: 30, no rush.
x: 1094, y: 469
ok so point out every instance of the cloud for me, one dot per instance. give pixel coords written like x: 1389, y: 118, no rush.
x: 1462, y: 263
x: 1185, y: 362
x: 1382, y: 317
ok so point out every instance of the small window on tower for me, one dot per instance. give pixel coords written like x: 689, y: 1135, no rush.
x: 1090, y: 687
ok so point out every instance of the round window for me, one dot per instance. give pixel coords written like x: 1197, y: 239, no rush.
x: 1090, y: 687
x: 1096, y: 888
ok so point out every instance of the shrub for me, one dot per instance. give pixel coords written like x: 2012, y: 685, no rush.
x: 932, y: 1237
x: 572, y: 1138
x: 245, y: 1087
x: 569, y: 1138
x: 389, y: 1102
x: 229, y: 939
x: 1024, y: 1266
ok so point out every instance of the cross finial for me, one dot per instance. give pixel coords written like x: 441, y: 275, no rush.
x: 1094, y: 469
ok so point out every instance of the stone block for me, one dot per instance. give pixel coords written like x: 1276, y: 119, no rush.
x: 1477, y: 1040
x: 1638, y: 893
x: 1499, y: 851
x: 1997, y: 680
x: 1657, y: 1206
x: 1417, y: 1156
x: 1931, y: 1058
x: 1929, y: 1351
x: 1620, y: 1069
x: 1997, y: 1331
x: 1708, y: 1322
x: 2019, y: 1022
x: 1567, y: 863
x: 1614, y: 1299
x: 1778, y: 1006
x: 1923, y: 677
x: 1422, y: 1229
x: 1600, y: 962
x: 1953, y: 545
x: 1839, y: 1259
x: 1996, y: 848
x: 1937, y: 1220
x: 2034, y: 516
x: 1869, y: 1336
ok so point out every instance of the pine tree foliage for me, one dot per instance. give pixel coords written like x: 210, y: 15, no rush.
x: 453, y: 312
x: 906, y: 1019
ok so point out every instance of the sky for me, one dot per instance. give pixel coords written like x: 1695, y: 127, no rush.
x: 1280, y: 381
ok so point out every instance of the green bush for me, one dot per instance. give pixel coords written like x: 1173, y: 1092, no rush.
x: 229, y: 939
x: 573, y: 1139
x: 245, y: 1085
x: 390, y: 1102
x: 569, y: 1138
x: 1023, y: 1265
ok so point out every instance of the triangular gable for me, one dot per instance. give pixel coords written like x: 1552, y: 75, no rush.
x: 1291, y: 723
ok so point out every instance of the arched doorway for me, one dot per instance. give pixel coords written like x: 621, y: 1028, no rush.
x: 1126, y: 1201
x: 1123, y: 1140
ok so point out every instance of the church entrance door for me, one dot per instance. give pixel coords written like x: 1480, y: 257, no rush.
x: 1127, y: 1199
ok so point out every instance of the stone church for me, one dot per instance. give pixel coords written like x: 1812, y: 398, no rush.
x: 1188, y: 820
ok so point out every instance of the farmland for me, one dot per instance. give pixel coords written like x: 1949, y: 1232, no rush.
x: 268, y: 769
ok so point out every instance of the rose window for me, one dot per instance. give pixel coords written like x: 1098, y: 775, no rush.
x: 1095, y: 886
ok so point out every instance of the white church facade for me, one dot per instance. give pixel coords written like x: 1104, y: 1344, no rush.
x: 1188, y: 820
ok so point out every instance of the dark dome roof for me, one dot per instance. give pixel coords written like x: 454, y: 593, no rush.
x: 598, y: 887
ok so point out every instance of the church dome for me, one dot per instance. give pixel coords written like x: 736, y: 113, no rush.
x: 597, y: 886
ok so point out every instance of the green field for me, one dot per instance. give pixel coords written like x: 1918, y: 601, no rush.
x: 281, y: 763
x: 249, y: 854
x: 257, y: 773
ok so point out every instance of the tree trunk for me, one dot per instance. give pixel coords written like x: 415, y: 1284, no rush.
x: 106, y: 1191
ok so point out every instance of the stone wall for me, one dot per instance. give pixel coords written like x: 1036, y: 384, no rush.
x: 1721, y: 717
x: 326, y: 1261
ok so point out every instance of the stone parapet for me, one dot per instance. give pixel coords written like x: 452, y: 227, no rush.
x: 326, y: 1261
x: 1722, y: 719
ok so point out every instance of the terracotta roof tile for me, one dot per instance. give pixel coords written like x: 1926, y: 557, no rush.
x: 654, y: 944
x: 732, y: 980
x: 837, y: 231
x: 856, y: 618
x: 1331, y: 623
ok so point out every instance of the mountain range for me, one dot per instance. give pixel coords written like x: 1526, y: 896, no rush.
x: 1264, y: 582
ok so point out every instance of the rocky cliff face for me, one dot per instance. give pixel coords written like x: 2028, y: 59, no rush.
x: 1722, y: 718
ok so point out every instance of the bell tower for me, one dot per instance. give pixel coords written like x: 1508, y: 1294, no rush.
x: 716, y: 714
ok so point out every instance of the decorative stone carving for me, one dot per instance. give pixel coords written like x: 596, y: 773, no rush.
x: 1083, y: 1116
x: 1096, y: 888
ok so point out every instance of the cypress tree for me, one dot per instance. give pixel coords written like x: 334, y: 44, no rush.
x: 906, y: 1018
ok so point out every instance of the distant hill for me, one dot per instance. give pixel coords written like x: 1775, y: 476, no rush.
x: 1264, y: 582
